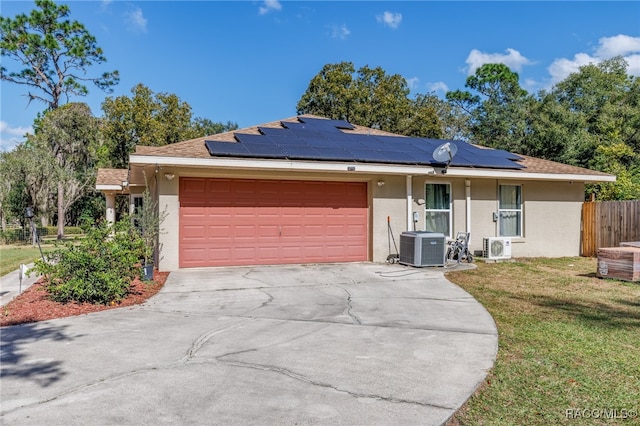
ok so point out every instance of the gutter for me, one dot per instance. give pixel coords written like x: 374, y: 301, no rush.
x: 303, y: 166
x: 521, y: 175
x: 351, y: 167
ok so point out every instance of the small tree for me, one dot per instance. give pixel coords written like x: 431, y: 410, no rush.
x: 148, y: 220
x: 55, y: 53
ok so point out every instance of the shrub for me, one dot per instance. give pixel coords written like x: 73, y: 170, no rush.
x: 97, y: 270
x: 68, y: 230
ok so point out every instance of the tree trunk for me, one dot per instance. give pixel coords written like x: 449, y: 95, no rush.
x: 34, y: 233
x: 60, y: 210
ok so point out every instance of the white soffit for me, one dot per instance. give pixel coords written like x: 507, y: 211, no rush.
x: 109, y: 187
x: 523, y: 175
x: 327, y: 166
x: 305, y: 166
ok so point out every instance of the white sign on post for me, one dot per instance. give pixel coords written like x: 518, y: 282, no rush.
x: 22, y: 274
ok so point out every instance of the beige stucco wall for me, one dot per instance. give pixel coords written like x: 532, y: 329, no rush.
x: 388, y: 206
x: 552, y: 219
x: 552, y: 210
x: 169, y: 207
x: 551, y: 216
x: 551, y: 213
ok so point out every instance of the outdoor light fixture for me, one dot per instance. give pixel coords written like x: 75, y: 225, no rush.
x: 169, y: 176
x: 125, y: 183
x: 381, y: 183
x: 351, y: 168
x: 28, y: 213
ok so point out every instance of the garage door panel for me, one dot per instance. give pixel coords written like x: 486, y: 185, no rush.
x: 194, y: 232
x: 244, y: 221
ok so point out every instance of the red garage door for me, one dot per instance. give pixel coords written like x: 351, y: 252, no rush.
x: 259, y: 222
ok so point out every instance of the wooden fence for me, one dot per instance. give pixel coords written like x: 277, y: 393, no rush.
x: 607, y: 223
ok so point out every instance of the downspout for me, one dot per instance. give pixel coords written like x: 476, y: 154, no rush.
x: 409, y: 202
x: 467, y: 193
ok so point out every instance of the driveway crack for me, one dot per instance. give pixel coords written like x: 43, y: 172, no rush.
x: 263, y: 304
x: 305, y: 379
x: 349, y: 310
x: 201, y: 340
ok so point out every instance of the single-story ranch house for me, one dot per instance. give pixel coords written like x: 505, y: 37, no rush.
x: 308, y: 190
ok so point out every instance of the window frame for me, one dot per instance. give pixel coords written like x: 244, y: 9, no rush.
x: 448, y: 210
x: 519, y: 210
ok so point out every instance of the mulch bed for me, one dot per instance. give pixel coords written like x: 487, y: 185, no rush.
x: 33, y: 305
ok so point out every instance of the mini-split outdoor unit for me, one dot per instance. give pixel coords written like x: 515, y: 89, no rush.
x: 419, y: 248
x: 496, y: 248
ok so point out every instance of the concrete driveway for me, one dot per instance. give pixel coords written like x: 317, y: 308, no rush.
x: 353, y: 344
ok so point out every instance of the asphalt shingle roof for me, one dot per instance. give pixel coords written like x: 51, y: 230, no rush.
x: 111, y: 176
x: 195, y: 148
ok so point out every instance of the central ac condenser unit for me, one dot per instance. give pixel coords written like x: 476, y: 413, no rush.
x: 496, y: 248
x: 419, y: 248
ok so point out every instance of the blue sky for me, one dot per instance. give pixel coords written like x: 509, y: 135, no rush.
x: 251, y: 61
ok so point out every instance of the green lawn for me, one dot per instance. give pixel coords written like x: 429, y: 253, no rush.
x: 569, y: 344
x: 11, y: 256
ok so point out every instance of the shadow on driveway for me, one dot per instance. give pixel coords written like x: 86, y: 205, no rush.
x: 13, y: 353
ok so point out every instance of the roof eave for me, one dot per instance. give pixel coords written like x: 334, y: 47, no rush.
x: 524, y: 175
x: 336, y: 166
x: 281, y: 164
x: 109, y: 187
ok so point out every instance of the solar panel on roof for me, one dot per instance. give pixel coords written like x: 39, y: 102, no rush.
x: 320, y: 142
x: 330, y: 125
x: 499, y: 163
x: 265, y: 150
x: 275, y: 132
x: 367, y: 155
x: 225, y: 148
x: 288, y: 141
x: 317, y: 139
x: 293, y: 125
x: 333, y: 154
x: 301, y: 152
x: 461, y: 162
x: 255, y: 139
x: 399, y: 157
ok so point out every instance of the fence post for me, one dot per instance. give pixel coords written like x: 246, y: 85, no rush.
x: 588, y: 229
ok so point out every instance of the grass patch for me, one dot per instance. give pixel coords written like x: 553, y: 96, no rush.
x: 11, y: 256
x: 567, y: 340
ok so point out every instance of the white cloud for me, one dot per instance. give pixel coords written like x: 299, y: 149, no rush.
x: 618, y: 45
x: 340, y: 31
x: 634, y: 64
x: 412, y: 82
x: 608, y: 47
x: 562, y: 67
x: 136, y: 20
x: 268, y: 6
x: 437, y: 87
x: 513, y: 59
x: 11, y: 136
x: 390, y: 19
